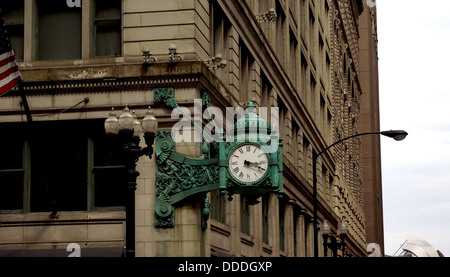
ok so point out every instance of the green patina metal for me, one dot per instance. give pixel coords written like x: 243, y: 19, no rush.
x: 179, y: 177
x: 253, y: 129
x: 166, y: 96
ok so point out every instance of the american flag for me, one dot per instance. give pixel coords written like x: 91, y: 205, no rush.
x: 9, y: 71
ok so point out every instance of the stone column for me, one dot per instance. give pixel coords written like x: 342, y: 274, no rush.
x: 301, y: 235
x: 310, y: 239
x: 289, y: 228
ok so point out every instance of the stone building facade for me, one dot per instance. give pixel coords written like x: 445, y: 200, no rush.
x: 78, y: 62
x: 370, y: 120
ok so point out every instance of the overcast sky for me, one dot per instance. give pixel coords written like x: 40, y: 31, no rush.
x: 414, y: 64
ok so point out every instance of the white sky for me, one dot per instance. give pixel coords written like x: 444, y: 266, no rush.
x: 414, y: 59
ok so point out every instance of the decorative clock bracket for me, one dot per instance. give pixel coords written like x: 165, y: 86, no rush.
x: 179, y: 177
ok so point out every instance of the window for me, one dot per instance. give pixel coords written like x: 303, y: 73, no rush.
x: 322, y: 116
x: 329, y: 122
x: 107, y: 28
x: 218, y: 206
x: 321, y: 54
x: 221, y: 40
x: 312, y: 34
x: 283, y: 117
x: 328, y: 69
x: 280, y: 33
x: 303, y: 78
x: 219, y: 28
x: 330, y: 190
x: 264, y: 6
x: 324, y: 182
x: 305, y: 156
x: 312, y: 92
x: 303, y: 17
x: 281, y: 210
x: 265, y: 218
x: 13, y: 12
x: 108, y: 173
x: 327, y: 15
x: 293, y: 57
x: 58, y: 30
x: 40, y: 172
x: 246, y: 66
x: 58, y: 168
x: 12, y: 165
x: 269, y: 113
x: 295, y: 142
x: 266, y: 88
x: 245, y: 216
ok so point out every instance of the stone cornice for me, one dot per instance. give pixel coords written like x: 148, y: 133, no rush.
x: 132, y: 77
x: 111, y: 77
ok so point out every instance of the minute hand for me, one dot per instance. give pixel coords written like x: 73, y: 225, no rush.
x: 252, y: 163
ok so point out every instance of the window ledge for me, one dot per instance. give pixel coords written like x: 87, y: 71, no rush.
x: 247, y: 239
x: 77, y: 62
x: 220, y: 228
x: 267, y: 249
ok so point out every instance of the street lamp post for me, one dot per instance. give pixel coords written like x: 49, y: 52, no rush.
x: 126, y: 131
x: 334, y: 245
x: 398, y: 135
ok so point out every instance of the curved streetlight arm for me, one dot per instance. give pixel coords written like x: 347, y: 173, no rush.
x: 397, y: 135
x: 342, y: 140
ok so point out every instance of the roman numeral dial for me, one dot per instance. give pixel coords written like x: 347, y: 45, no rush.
x: 248, y: 163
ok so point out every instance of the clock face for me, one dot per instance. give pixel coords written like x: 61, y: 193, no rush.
x: 248, y: 163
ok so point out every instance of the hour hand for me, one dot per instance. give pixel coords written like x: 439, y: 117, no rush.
x: 250, y: 163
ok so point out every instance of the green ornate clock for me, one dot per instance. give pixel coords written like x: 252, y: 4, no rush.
x: 249, y: 162
x: 253, y: 157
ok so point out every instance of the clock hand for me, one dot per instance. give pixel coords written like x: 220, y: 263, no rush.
x: 253, y: 164
x: 258, y: 168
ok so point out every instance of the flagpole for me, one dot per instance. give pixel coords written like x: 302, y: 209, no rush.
x: 25, y: 103
x: 10, y: 74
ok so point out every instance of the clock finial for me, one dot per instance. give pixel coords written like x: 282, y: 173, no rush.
x: 251, y: 107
